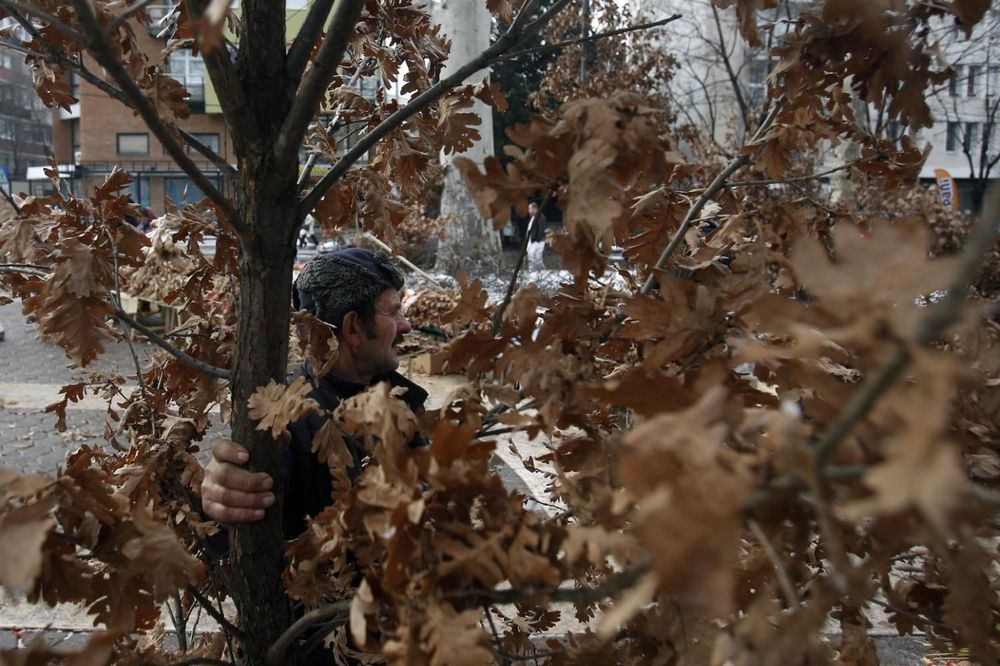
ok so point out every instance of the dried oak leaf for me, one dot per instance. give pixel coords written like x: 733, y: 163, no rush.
x: 159, y: 558
x: 592, y: 205
x: 276, y: 405
x: 454, y: 638
x: 471, y: 307
x: 456, y: 125
x: 24, y: 530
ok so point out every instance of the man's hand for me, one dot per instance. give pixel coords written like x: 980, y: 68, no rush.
x: 231, y: 494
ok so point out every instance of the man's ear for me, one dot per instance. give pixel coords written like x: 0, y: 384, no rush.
x: 352, y: 328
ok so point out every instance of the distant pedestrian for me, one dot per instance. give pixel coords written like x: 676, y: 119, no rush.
x: 536, y: 223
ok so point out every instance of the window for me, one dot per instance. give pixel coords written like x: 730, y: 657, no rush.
x: 8, y: 130
x: 972, y: 81
x: 971, y: 135
x: 189, y: 70
x: 183, y: 191
x: 953, y: 83
x: 133, y: 144
x: 758, y: 71
x: 6, y: 62
x: 952, y: 139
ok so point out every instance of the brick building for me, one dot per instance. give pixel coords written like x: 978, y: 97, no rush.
x: 99, y: 133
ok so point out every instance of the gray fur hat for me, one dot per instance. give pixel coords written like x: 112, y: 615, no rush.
x: 335, y: 283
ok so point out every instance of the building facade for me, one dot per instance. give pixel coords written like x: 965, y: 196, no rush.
x: 25, y: 123
x: 99, y: 133
x: 720, y: 80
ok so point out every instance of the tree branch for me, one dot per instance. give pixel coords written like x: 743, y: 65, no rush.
x: 219, y: 618
x: 220, y: 163
x: 733, y: 79
x: 812, y: 176
x: 498, y: 315
x: 10, y: 199
x: 227, y: 84
x: 735, y: 165
x: 791, y: 597
x: 124, y: 16
x: 938, y: 319
x: 98, y: 45
x: 163, y: 344
x: 19, y: 7
x: 336, y: 610
x: 589, y: 38
x: 310, y: 92
x: 508, y: 40
x: 298, y: 53
x: 615, y: 584
x: 30, y: 269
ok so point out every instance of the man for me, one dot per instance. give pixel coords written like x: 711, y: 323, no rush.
x: 358, y: 292
x: 536, y: 223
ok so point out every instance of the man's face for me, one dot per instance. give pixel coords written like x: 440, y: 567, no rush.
x: 532, y: 209
x: 377, y: 354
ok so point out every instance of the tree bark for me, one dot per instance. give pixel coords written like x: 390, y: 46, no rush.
x: 266, y: 257
x: 469, y: 242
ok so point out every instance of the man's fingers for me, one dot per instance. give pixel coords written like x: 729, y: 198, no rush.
x: 228, y: 515
x: 227, y: 496
x: 236, y: 478
x: 226, y: 450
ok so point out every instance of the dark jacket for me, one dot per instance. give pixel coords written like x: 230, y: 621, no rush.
x: 308, y: 484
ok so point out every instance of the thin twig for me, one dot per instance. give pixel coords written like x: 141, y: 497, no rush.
x: 591, y: 38
x: 812, y: 176
x: 409, y: 264
x: 180, y: 624
x: 162, y: 343
x: 337, y: 610
x: 791, y: 598
x: 116, y: 300
x: 735, y: 165
x: 31, y: 10
x: 220, y: 163
x: 30, y: 269
x: 508, y: 40
x: 938, y: 319
x: 509, y: 294
x: 613, y: 585
x: 10, y: 199
x: 194, y: 661
x: 124, y: 16
x: 496, y: 635
x: 216, y: 615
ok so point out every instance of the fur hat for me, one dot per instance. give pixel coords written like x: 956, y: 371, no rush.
x: 335, y: 283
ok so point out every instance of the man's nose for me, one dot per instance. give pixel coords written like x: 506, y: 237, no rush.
x: 403, y: 326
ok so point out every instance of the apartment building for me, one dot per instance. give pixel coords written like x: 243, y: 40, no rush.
x: 25, y: 123
x: 720, y: 78
x: 99, y: 133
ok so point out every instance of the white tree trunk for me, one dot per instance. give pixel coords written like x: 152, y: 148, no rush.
x: 469, y: 242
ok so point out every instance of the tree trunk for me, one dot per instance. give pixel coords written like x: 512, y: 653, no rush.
x: 266, y: 259
x: 469, y: 242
